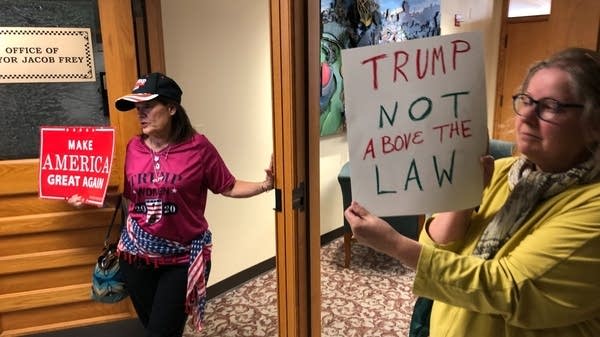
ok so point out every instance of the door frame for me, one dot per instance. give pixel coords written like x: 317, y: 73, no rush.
x: 295, y: 81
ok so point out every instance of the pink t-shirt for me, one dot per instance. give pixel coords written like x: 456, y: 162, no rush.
x: 168, y: 200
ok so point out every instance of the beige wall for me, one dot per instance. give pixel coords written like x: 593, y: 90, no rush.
x: 484, y: 16
x: 219, y: 52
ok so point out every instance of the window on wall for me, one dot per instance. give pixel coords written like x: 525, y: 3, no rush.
x: 520, y: 8
x: 24, y: 107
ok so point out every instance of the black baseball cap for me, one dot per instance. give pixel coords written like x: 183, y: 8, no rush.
x: 149, y: 87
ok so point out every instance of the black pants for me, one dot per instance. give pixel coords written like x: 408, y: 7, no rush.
x: 158, y: 295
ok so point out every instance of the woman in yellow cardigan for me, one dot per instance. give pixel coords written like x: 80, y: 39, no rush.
x: 527, y: 261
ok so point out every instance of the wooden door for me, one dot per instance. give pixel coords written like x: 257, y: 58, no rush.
x: 47, y: 248
x: 572, y: 23
x: 295, y: 68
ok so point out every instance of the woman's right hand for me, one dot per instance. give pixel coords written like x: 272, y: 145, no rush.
x: 487, y: 163
x: 452, y: 226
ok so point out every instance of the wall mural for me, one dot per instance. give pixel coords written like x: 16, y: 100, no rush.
x: 358, y: 23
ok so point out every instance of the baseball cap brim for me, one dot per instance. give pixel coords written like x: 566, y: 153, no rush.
x: 127, y: 102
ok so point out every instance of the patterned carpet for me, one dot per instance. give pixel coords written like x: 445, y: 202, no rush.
x: 372, y: 298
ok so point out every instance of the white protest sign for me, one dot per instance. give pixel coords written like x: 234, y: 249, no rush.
x: 416, y: 119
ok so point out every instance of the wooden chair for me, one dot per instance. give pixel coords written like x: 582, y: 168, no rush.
x: 501, y: 148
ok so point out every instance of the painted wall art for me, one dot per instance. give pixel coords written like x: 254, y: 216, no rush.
x: 357, y: 23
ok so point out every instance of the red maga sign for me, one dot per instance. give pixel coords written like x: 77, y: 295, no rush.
x: 75, y: 160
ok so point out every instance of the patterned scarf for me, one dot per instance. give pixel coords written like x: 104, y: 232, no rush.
x: 140, y: 244
x: 195, y: 298
x: 528, y: 187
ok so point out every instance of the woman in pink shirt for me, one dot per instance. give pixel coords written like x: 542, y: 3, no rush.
x: 165, y: 246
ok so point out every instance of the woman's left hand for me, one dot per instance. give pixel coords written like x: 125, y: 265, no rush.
x: 269, y: 182
x: 374, y: 232
x: 370, y: 229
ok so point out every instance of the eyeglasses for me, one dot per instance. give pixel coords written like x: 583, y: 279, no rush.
x: 546, y: 109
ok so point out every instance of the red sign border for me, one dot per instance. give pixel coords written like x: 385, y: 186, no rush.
x: 65, y: 128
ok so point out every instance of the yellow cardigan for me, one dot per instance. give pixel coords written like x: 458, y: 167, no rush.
x: 544, y: 281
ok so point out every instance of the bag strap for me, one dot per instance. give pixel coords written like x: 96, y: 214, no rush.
x: 114, y: 216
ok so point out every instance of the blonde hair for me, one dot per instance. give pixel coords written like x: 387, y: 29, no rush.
x: 583, y: 67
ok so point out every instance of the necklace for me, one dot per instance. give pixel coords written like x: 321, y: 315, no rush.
x: 156, y: 165
x: 156, y: 150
